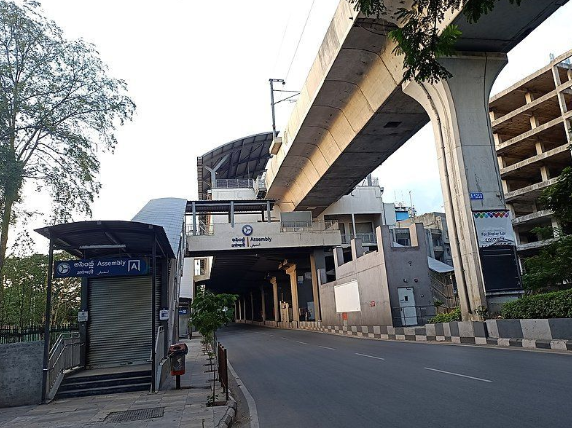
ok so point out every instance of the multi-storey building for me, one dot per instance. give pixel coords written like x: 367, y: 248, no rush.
x: 531, y: 123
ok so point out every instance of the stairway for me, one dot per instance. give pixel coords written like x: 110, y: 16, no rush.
x: 85, y: 383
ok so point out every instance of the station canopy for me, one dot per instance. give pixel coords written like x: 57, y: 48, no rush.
x: 93, y: 239
x: 243, y: 159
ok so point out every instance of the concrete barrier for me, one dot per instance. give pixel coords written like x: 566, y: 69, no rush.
x: 553, y: 333
x: 21, y: 373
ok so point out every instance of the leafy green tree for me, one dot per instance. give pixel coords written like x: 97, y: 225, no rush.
x: 58, y: 110
x: 25, y: 292
x: 418, y: 37
x: 211, y: 311
x: 552, y: 267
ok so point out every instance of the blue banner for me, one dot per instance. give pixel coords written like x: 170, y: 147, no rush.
x: 100, y: 267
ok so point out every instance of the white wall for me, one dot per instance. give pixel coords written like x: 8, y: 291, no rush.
x: 362, y: 200
x: 187, y: 288
x: 264, y: 235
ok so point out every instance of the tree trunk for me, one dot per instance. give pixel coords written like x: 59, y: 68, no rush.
x: 4, y: 228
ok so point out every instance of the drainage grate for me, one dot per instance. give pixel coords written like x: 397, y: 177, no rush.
x: 135, y: 415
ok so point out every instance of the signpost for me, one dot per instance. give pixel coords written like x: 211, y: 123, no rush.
x: 100, y: 267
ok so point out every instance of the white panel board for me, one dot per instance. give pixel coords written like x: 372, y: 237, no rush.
x: 347, y: 297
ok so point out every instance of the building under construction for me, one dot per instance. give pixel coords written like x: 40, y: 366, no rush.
x: 531, y: 123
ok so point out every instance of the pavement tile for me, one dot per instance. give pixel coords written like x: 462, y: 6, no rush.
x: 184, y: 408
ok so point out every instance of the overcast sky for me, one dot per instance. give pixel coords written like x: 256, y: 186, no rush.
x: 199, y: 78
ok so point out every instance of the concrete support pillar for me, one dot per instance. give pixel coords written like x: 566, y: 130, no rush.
x: 239, y: 312
x: 315, y: 291
x: 291, y: 271
x: 244, y: 308
x: 252, y: 306
x: 263, y: 300
x: 274, y: 283
x: 458, y: 108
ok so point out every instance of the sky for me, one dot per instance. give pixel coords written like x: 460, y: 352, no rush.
x: 199, y: 78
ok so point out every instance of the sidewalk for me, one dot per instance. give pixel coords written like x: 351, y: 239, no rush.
x: 179, y: 408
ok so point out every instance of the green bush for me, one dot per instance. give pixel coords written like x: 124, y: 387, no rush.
x: 454, y: 315
x: 557, y: 304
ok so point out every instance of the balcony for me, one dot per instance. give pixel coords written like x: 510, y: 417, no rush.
x: 366, y: 238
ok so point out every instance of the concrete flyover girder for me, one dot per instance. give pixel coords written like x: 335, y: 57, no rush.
x: 353, y: 92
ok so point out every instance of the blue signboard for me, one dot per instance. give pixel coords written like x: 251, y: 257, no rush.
x: 100, y: 267
x: 476, y: 196
x: 183, y: 311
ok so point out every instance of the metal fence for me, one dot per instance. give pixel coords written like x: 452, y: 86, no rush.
x: 234, y: 183
x: 201, y: 230
x: 311, y: 226
x: 366, y: 238
x: 222, y: 368
x: 64, y: 355
x: 14, y: 334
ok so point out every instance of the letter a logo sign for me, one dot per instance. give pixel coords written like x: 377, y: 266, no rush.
x: 134, y: 265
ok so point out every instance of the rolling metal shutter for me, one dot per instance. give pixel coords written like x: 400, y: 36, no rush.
x: 119, y: 326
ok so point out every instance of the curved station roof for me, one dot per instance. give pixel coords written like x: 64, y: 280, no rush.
x: 243, y: 158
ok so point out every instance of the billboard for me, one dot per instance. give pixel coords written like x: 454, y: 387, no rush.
x: 494, y: 228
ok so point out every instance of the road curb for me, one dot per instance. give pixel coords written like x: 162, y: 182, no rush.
x: 228, y: 418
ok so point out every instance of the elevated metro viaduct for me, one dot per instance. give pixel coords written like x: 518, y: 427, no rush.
x: 355, y: 110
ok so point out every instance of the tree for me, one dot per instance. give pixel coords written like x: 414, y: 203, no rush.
x: 58, y: 110
x: 418, y: 37
x: 552, y: 267
x: 211, y: 311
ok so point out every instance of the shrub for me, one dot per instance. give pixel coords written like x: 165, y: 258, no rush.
x: 454, y: 315
x: 557, y: 304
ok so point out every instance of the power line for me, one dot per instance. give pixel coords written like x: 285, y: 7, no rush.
x: 300, y: 39
x: 282, y: 42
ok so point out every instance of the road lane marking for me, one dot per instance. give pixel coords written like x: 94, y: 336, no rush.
x: 370, y: 356
x: 458, y: 374
x: 303, y: 343
x: 327, y: 347
x: 249, y: 400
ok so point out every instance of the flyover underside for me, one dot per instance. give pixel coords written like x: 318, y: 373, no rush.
x: 243, y: 271
x: 393, y: 124
x: 339, y: 130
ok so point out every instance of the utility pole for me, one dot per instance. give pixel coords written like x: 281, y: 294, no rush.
x: 273, y: 102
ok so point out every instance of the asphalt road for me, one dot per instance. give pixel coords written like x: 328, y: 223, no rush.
x: 305, y: 379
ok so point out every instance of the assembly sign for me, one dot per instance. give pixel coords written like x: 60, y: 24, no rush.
x: 100, y: 267
x: 494, y: 228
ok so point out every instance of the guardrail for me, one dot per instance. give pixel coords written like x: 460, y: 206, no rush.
x: 366, y: 238
x: 234, y: 183
x: 222, y: 368
x: 64, y: 355
x: 308, y: 226
x: 202, y: 229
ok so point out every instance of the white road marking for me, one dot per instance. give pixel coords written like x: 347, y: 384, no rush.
x: 327, y: 347
x: 370, y: 356
x: 249, y: 400
x: 460, y: 375
x: 303, y: 343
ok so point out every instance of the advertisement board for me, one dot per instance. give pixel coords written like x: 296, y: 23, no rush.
x: 494, y: 228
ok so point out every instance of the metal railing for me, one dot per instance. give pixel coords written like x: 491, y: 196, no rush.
x: 64, y: 355
x: 308, y: 226
x: 366, y: 238
x: 410, y: 316
x: 222, y: 368
x: 234, y: 183
x: 202, y: 229
x: 13, y: 334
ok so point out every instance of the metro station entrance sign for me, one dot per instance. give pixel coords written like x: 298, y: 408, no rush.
x: 100, y: 267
